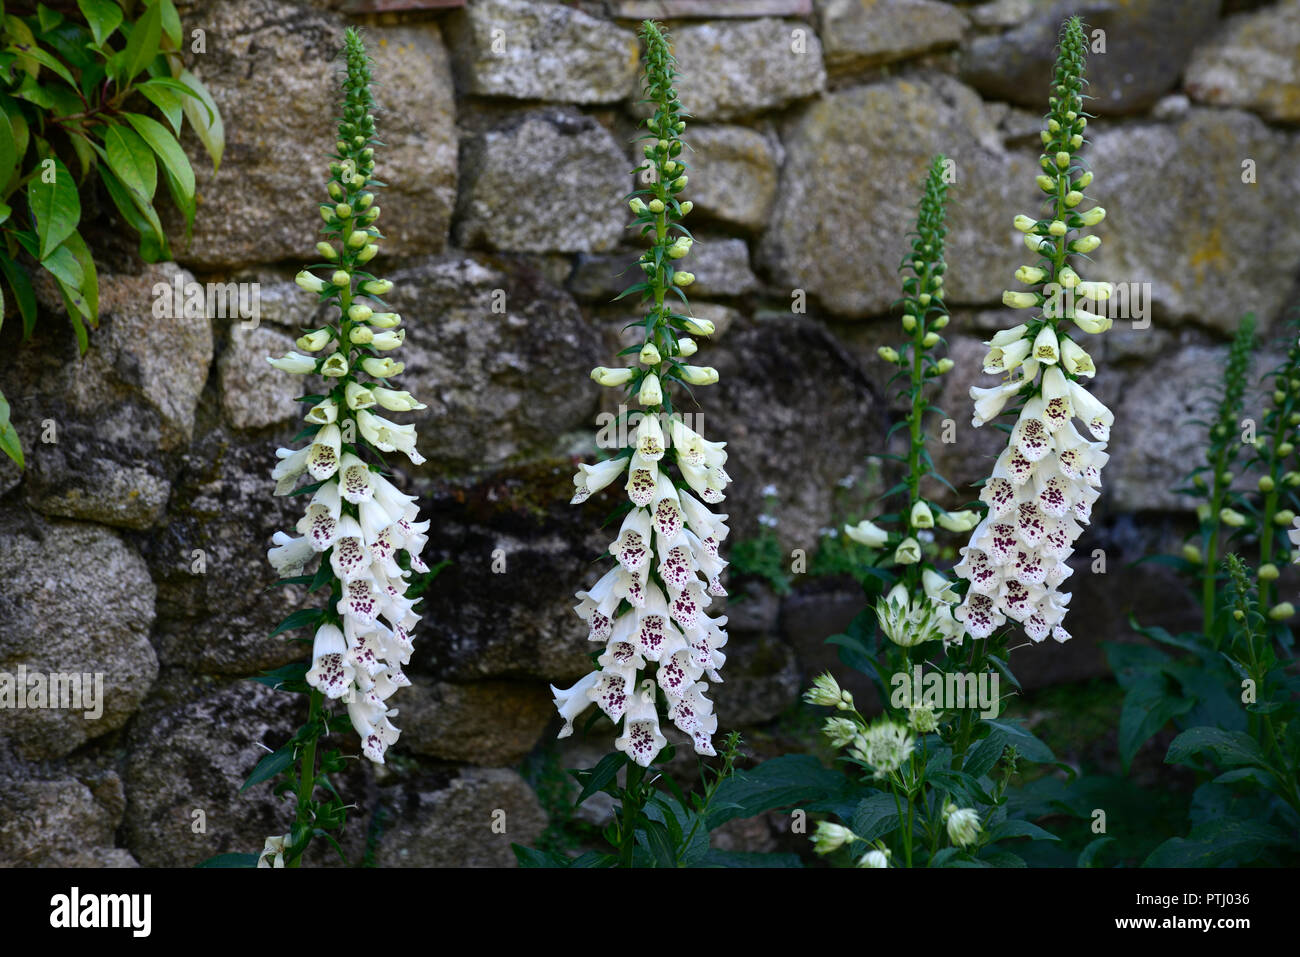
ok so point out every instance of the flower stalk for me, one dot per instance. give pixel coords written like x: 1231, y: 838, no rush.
x: 1045, y: 482
x: 360, y: 532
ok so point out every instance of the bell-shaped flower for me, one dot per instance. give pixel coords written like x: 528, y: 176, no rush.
x: 1007, y: 358
x: 355, y: 483
x: 921, y: 516
x: 1095, y: 416
x: 573, y: 701
x: 323, y: 412
x: 1076, y: 360
x: 295, y: 363
x: 650, y: 438
x: 632, y: 547
x: 650, y: 393
x: 641, y: 739
x: 331, y: 673
x: 908, y: 552
x: 290, y: 555
x: 865, y: 533
x: 320, y: 523
x: 1046, y: 347
x: 291, y: 465
x: 323, y: 459
x: 396, y: 401
x: 384, y: 368
x: 590, y: 479
x: 642, y: 480
x: 350, y: 558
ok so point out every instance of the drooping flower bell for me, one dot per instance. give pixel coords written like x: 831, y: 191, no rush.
x: 650, y: 610
x: 1045, y: 482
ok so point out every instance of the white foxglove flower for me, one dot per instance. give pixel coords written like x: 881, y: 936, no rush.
x: 295, y: 363
x: 650, y: 611
x: 356, y: 521
x: 865, y: 533
x: 273, y: 853
x: 1048, y: 477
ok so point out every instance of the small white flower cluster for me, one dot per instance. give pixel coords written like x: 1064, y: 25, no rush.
x: 668, y: 539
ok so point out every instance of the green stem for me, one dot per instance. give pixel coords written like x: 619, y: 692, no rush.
x: 633, y: 802
x: 307, y: 774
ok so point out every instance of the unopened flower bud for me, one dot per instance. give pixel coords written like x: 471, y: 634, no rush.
x: 611, y: 377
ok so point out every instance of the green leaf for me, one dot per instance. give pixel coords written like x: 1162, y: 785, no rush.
x: 717, y: 858
x: 47, y: 59
x: 531, y: 857
x: 103, y: 16
x: 23, y: 293
x: 176, y: 166
x: 89, y: 287
x: 153, y: 242
x: 1219, y: 843
x: 1010, y: 829
x: 8, y: 151
x: 1148, y: 707
x: 1226, y: 748
x: 302, y: 618
x: 63, y: 265
x: 1029, y: 747
x: 132, y: 161
x: 875, y: 817
x: 141, y: 46
x: 780, y: 782
x: 602, y: 774
x: 230, y: 860
x: 54, y: 204
x: 10, y: 443
x: 171, y: 22
x: 1089, y: 853
x: 168, y: 103
x: 201, y: 110
x: 270, y: 765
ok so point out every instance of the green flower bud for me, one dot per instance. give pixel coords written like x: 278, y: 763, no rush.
x: 327, y: 251
x: 650, y: 355
x: 687, y: 207
x: 1085, y: 244
x: 888, y: 353
x: 683, y: 278
x: 1266, y: 483
x: 343, y: 211
x: 699, y: 375
x: 309, y: 282
x: 341, y: 279
x: 1282, y: 612
x: 1093, y: 216
x: 1192, y: 553
x: 1283, y: 517
x: 611, y: 377
x: 367, y: 254
x: 655, y: 206
x: 1232, y: 518
x: 1268, y: 572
